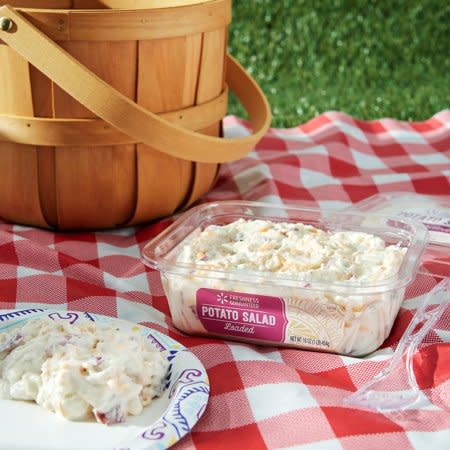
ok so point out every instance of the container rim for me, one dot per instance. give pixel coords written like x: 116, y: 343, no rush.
x: 153, y: 257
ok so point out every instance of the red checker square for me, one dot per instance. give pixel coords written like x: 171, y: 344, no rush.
x: 432, y: 185
x: 314, y: 124
x: 254, y: 373
x: 293, y: 193
x: 338, y: 378
x: 234, y: 412
x: 427, y: 125
x: 272, y: 143
x: 409, y: 168
x: 77, y: 289
x: 343, y: 169
x: 247, y: 437
x: 297, y: 427
x: 432, y: 366
x: 75, y: 237
x: 376, y: 441
x: 358, y: 193
x: 342, y: 420
x: 104, y: 305
x: 49, y: 289
x: 225, y: 378
x: 8, y: 253
x: 8, y: 293
x: 389, y: 150
x: 373, y: 126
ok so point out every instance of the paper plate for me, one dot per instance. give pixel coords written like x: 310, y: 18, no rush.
x: 25, y: 425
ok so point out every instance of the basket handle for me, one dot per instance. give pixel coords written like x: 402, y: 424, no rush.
x: 126, y: 115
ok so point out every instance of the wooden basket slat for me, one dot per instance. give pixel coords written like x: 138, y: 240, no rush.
x: 210, y: 84
x: 43, y: 107
x: 170, y: 70
x: 105, y: 194
x: 18, y: 163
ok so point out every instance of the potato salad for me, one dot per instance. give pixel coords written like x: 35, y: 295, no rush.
x: 286, y: 283
x: 81, y: 370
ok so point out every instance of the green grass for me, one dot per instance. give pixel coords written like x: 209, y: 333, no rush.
x: 369, y: 58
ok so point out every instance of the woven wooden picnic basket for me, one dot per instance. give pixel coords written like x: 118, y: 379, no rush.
x: 111, y: 110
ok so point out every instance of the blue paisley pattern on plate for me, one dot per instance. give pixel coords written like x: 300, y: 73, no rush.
x: 187, y: 385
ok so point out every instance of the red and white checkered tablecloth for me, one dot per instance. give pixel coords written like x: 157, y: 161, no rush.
x: 265, y: 397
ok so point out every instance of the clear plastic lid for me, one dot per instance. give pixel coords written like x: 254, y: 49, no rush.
x: 161, y: 252
x: 432, y: 211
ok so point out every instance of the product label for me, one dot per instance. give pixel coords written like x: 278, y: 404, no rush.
x: 244, y: 315
x: 434, y: 219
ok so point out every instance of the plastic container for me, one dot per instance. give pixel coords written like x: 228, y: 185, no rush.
x: 257, y: 307
x: 432, y: 211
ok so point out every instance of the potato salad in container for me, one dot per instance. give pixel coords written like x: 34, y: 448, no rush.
x: 287, y: 276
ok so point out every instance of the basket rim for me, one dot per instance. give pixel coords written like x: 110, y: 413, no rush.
x: 152, y: 6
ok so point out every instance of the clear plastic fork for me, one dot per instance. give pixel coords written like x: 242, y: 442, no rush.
x: 373, y: 395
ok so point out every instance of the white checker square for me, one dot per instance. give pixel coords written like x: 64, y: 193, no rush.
x: 351, y: 130
x: 113, y: 250
x: 432, y: 440
x: 235, y: 131
x: 251, y: 177
x: 387, y: 178
x: 312, y: 179
x: 269, y: 400
x: 370, y: 162
x: 246, y: 353
x: 23, y: 272
x: 430, y: 159
x: 332, y: 444
x: 137, y: 283
x: 138, y: 312
x: 407, y: 137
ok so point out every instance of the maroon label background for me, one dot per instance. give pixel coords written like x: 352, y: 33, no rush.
x: 230, y: 302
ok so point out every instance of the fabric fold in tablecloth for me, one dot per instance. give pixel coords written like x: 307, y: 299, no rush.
x: 266, y: 397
